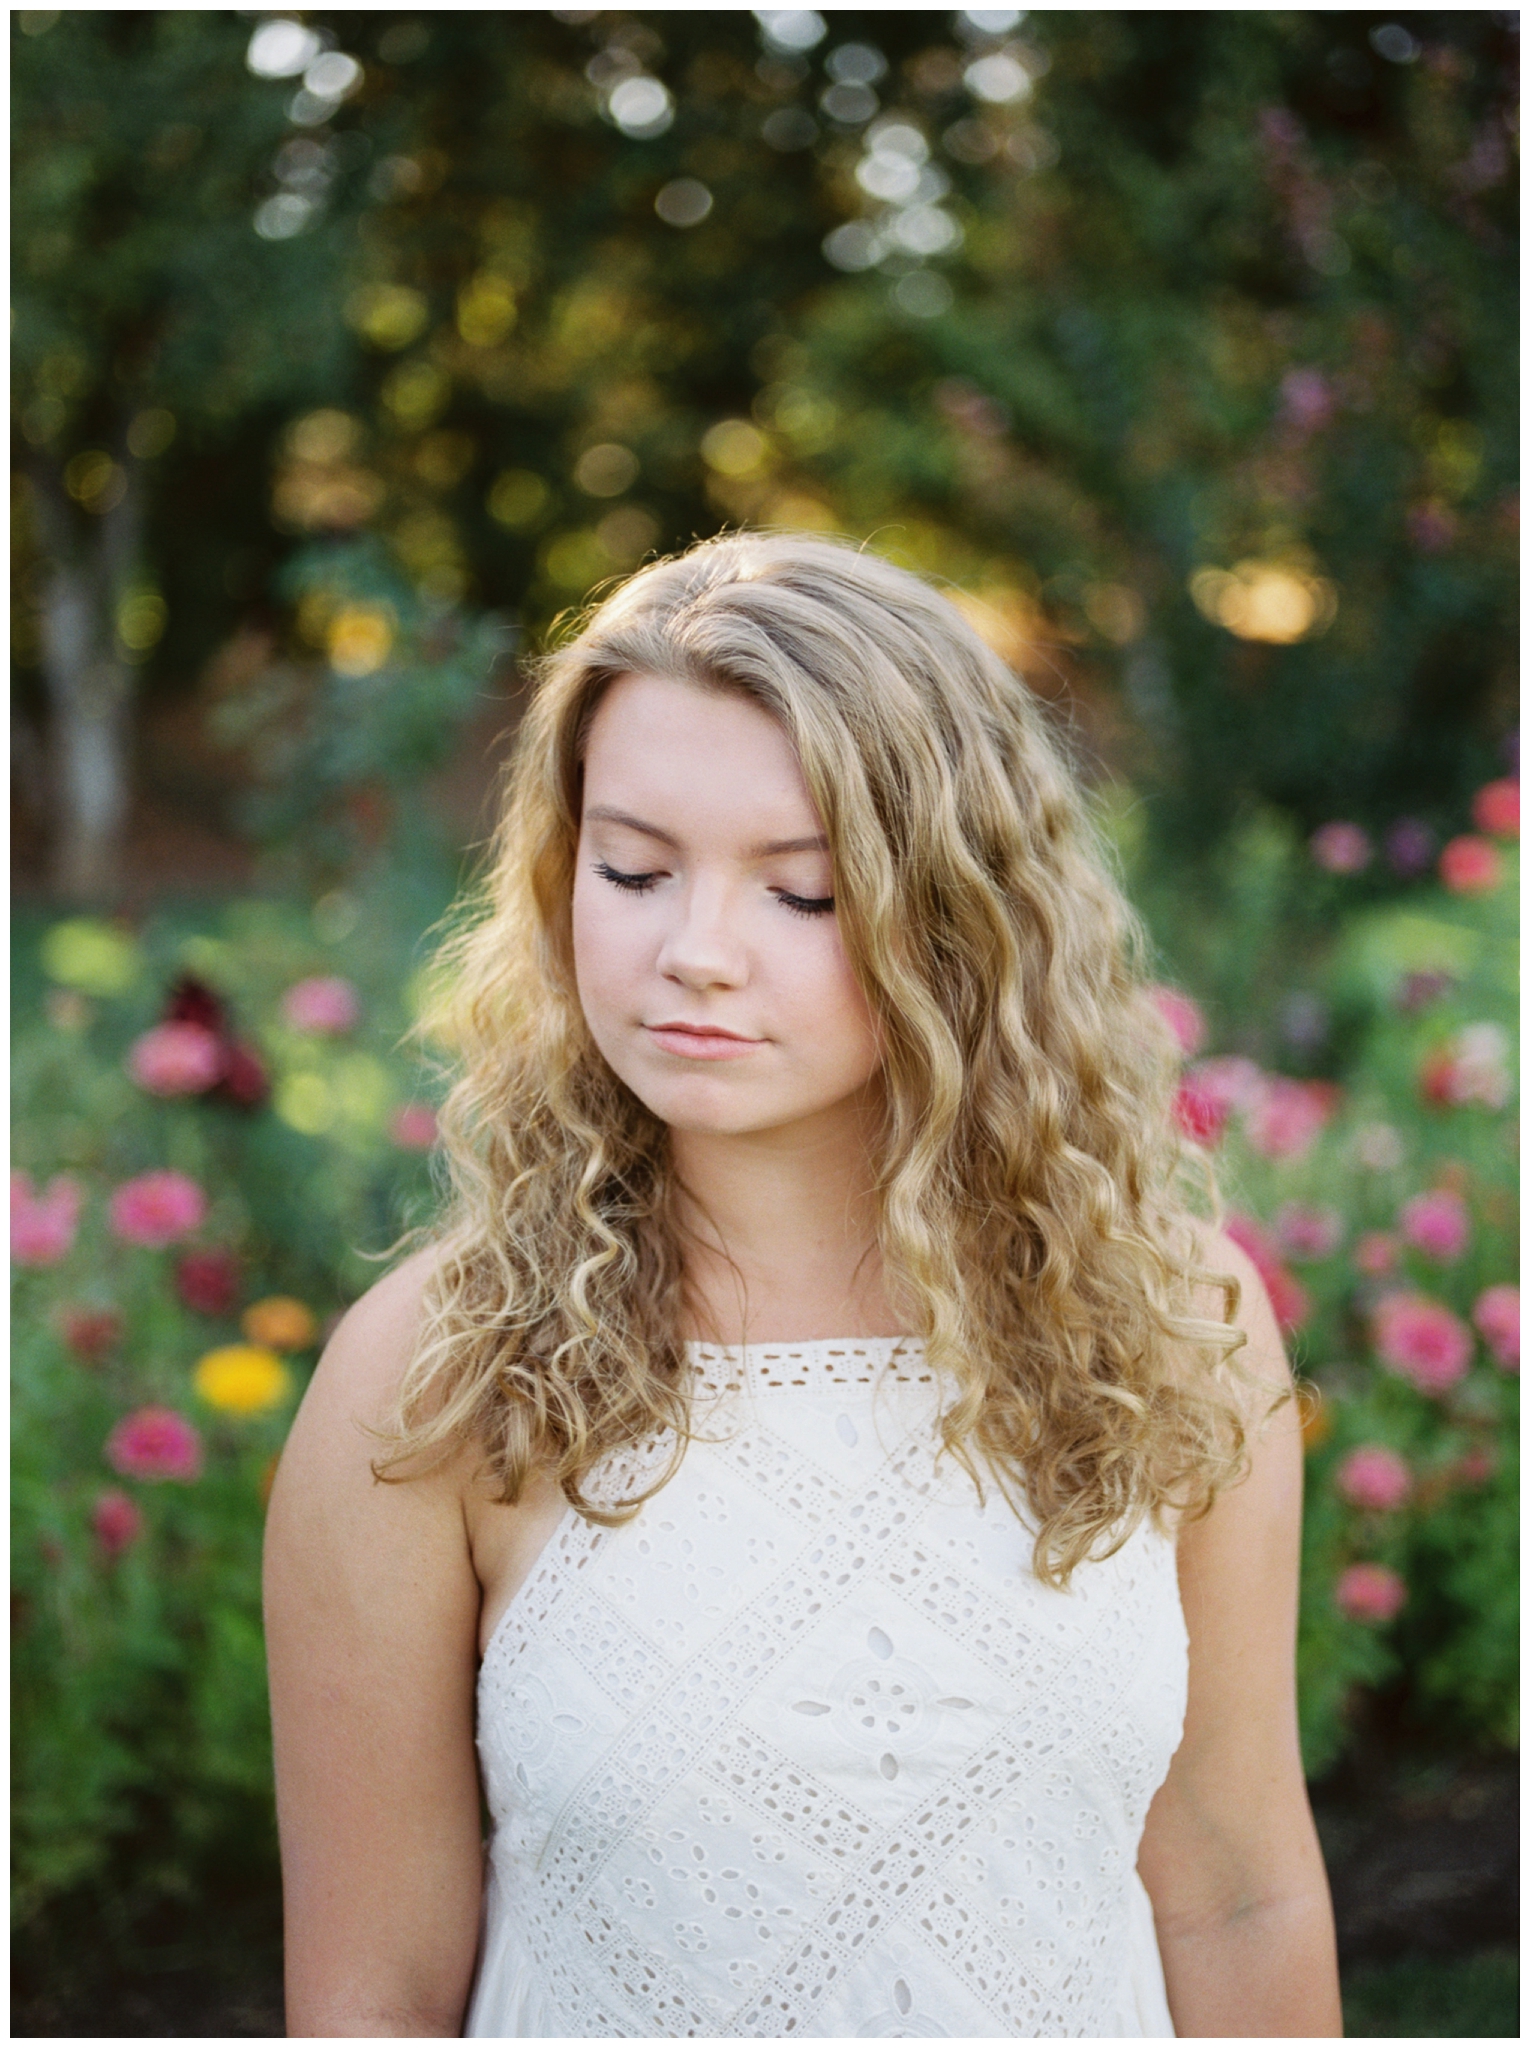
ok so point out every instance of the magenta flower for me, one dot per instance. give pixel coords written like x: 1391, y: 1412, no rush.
x: 1374, y: 1477
x: 1304, y: 1231
x: 1341, y: 848
x: 324, y: 1004
x: 1198, y: 1113
x: 1369, y: 1592
x: 1495, y: 808
x: 1470, y: 866
x: 1496, y: 1314
x: 209, y: 1281
x: 1227, y: 1080
x: 157, y: 1208
x: 1285, y: 1117
x: 1183, y: 1017
x: 117, y: 1521
x: 176, y: 1059
x: 414, y: 1127
x: 43, y: 1225
x: 1422, y: 1341
x: 1437, y: 1225
x: 155, y: 1443
x: 1376, y: 1253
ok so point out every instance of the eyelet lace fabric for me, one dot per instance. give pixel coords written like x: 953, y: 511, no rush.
x: 806, y: 1748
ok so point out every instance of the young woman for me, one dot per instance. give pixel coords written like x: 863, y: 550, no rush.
x: 850, y: 1499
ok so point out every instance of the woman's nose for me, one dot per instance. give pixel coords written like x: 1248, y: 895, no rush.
x: 699, y: 950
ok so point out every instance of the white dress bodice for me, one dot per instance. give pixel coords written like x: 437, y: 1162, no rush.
x: 806, y: 1748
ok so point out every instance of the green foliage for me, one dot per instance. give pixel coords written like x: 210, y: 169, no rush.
x: 1467, y: 1998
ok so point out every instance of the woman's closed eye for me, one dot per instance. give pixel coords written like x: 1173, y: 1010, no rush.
x: 636, y: 885
x: 804, y: 906
x: 640, y: 884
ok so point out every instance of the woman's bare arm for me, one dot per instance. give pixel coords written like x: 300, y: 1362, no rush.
x: 1230, y: 1856
x: 371, y: 1632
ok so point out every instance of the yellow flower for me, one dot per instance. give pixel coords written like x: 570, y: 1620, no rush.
x: 280, y: 1323
x: 241, y: 1378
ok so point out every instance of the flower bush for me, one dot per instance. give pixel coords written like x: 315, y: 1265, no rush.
x: 1378, y: 1202
x: 203, y: 1168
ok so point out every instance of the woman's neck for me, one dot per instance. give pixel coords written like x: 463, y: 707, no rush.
x: 780, y: 1231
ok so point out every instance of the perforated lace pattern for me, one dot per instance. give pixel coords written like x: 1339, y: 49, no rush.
x: 805, y: 1748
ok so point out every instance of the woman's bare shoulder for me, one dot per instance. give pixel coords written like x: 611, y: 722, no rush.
x: 351, y: 1402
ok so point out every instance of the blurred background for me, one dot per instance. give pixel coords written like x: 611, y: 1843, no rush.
x: 351, y: 352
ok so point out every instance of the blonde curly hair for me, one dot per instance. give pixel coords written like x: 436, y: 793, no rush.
x: 1031, y: 1218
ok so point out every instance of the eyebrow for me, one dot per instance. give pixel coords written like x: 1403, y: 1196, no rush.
x: 815, y: 842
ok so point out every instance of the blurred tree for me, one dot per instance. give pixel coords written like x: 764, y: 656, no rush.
x: 1180, y: 342
x: 163, y: 296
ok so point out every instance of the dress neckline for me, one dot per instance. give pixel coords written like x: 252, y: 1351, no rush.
x: 821, y: 1362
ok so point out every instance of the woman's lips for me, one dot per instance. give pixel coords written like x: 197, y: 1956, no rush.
x: 698, y: 1042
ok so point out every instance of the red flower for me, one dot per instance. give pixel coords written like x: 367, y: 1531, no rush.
x: 1495, y: 808
x: 209, y: 1281
x: 1470, y: 866
x: 117, y: 1521
x: 245, y: 1082
x: 1200, y: 1114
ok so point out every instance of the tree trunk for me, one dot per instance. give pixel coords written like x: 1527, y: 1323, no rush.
x: 89, y: 683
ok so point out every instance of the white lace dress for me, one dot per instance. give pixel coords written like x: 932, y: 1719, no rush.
x: 805, y: 1748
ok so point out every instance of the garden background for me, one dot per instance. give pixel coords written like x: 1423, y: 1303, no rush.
x: 350, y: 351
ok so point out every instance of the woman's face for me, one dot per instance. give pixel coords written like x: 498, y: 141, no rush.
x: 706, y: 948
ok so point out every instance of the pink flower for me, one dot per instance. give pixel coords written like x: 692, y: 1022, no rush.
x: 1421, y: 1339
x: 176, y: 1059
x: 1183, y: 1017
x: 324, y: 1004
x: 1470, y: 866
x: 43, y: 1225
x: 1199, y: 1114
x: 1305, y: 1232
x: 414, y: 1127
x: 117, y: 1521
x: 1374, y: 1477
x: 1369, y: 1592
x: 1288, y: 1298
x: 1471, y: 1067
x: 157, y: 1208
x: 1341, y: 848
x: 1496, y: 1314
x: 1228, y: 1080
x: 1495, y: 808
x: 155, y: 1443
x: 1437, y: 1225
x: 1376, y: 1253
x: 1286, y: 1116
x: 209, y: 1281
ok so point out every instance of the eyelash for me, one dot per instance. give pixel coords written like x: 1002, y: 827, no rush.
x: 639, y: 885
